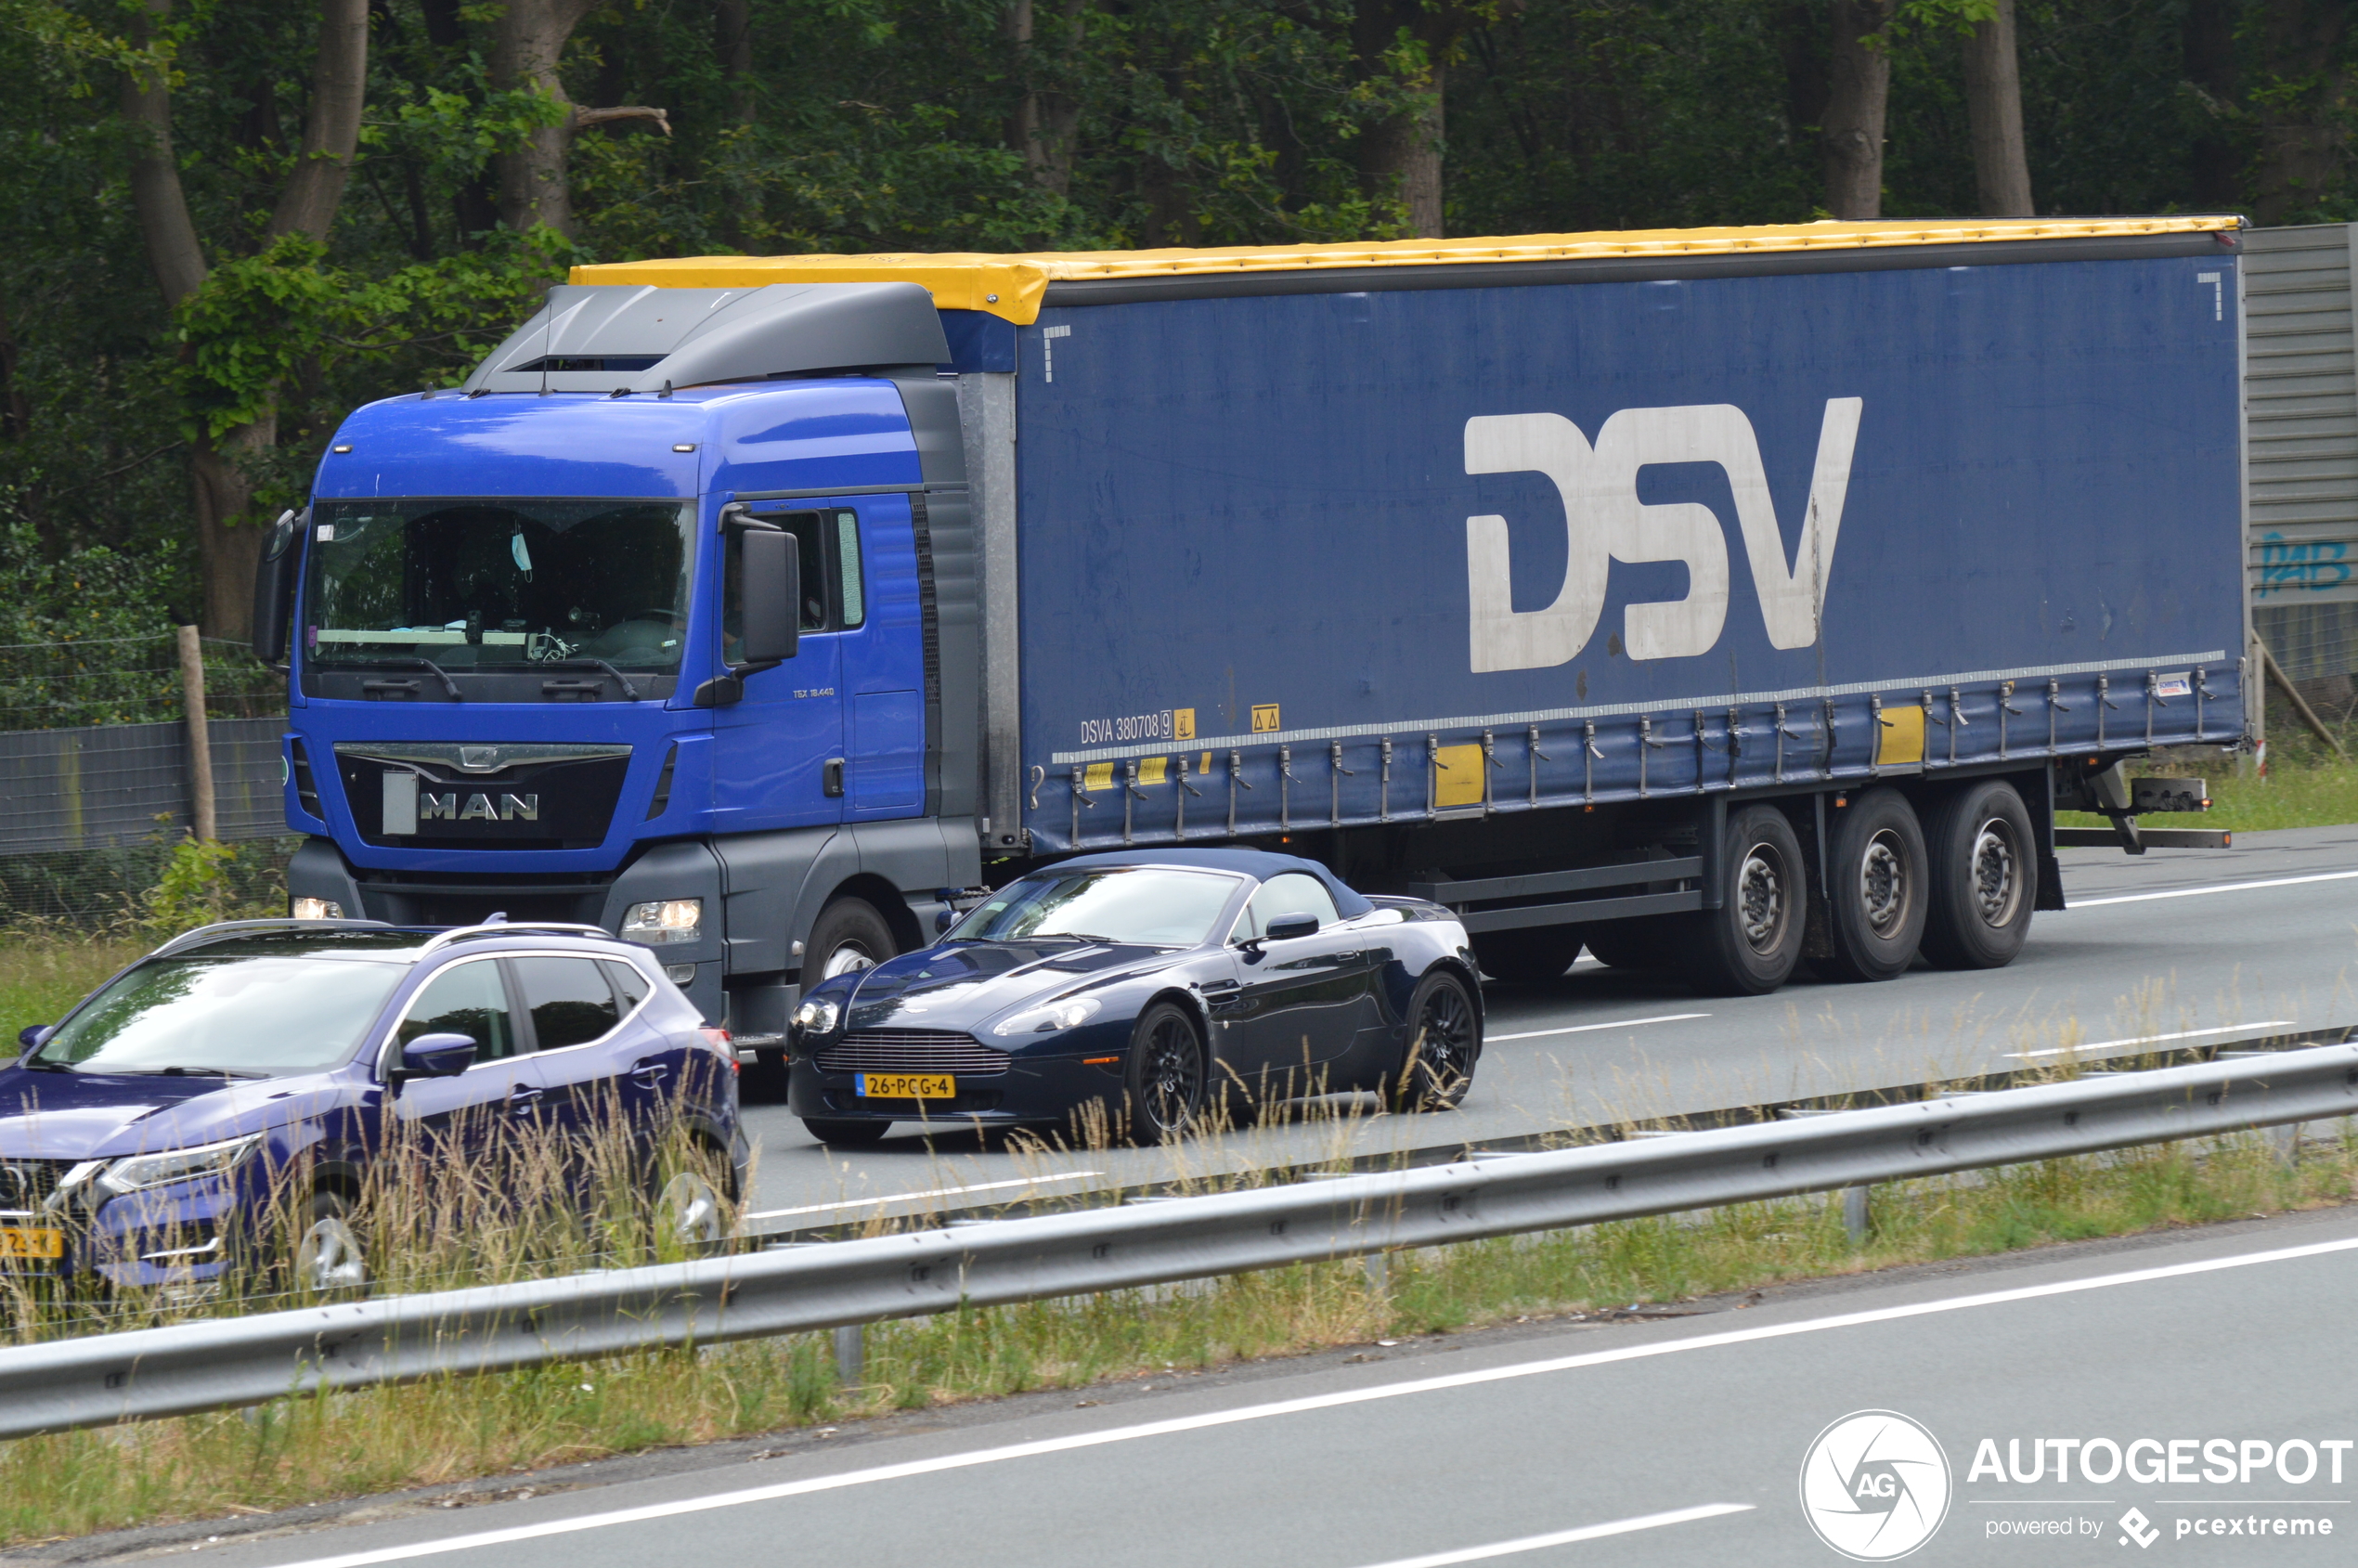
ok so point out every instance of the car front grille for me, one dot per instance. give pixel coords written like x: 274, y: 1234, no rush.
x: 26, y: 1184
x: 913, y: 1050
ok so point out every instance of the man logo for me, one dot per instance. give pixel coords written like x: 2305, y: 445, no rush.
x: 1874, y: 1486
x: 1605, y: 522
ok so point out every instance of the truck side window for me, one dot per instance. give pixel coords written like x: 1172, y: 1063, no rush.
x: 855, y: 609
x: 809, y: 530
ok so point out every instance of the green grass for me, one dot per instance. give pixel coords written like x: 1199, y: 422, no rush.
x: 42, y: 974
x: 373, y: 1440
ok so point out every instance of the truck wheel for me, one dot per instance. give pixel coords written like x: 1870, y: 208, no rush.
x: 1749, y: 946
x: 1529, y: 957
x: 846, y: 1133
x: 1876, y: 891
x: 1644, y: 943
x: 848, y: 935
x: 1983, y: 877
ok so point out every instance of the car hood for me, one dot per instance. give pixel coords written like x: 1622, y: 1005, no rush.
x: 78, y: 1116
x: 965, y: 986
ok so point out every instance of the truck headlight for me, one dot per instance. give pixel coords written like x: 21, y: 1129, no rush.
x: 315, y: 909
x: 817, y: 1018
x: 1048, y: 1019
x: 664, y: 922
x: 178, y: 1165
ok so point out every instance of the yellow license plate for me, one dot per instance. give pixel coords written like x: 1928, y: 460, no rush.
x: 908, y: 1085
x: 19, y: 1242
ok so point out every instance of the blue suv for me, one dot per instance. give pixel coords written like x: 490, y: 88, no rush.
x: 255, y: 1069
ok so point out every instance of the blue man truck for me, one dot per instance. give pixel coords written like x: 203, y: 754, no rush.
x: 1717, y: 599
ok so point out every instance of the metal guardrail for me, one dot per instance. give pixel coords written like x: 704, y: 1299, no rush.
x: 212, y: 1365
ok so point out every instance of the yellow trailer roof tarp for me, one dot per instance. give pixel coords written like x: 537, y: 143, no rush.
x: 1014, y: 286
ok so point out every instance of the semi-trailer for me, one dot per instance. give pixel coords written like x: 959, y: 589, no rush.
x: 1716, y: 600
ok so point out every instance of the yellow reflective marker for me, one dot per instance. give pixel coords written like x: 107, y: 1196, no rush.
x: 1902, y: 737
x: 1183, y: 723
x: 1097, y: 776
x: 1264, y: 718
x: 1154, y: 769
x: 1204, y: 766
x: 1458, y: 783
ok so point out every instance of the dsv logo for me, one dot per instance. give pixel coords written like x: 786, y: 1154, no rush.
x: 1605, y: 522
x: 1874, y: 1486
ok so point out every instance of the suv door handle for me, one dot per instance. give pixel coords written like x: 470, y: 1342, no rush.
x: 523, y: 1099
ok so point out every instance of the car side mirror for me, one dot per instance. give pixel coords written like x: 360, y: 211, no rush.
x: 32, y: 1036
x: 772, y: 631
x: 943, y: 921
x: 438, y: 1055
x: 1285, y: 928
x: 274, y: 587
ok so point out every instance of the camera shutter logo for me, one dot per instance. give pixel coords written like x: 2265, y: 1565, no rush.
x: 1874, y: 1486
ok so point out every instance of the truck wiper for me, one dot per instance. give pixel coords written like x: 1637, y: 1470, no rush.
x: 439, y: 673
x: 630, y: 692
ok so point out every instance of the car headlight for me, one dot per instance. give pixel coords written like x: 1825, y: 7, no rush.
x: 178, y: 1165
x: 315, y: 909
x: 817, y: 1016
x: 1048, y: 1019
x: 664, y: 922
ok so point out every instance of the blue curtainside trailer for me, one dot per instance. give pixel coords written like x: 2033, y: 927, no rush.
x: 1708, y: 598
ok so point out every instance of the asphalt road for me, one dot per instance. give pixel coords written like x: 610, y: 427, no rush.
x: 2182, y: 945
x: 1653, y: 1443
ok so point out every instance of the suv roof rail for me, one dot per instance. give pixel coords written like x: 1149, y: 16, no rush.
x: 221, y: 928
x: 511, y: 927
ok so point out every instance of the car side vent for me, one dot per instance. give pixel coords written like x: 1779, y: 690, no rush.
x: 306, y: 789
x: 663, y: 784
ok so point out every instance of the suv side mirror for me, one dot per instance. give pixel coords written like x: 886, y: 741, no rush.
x: 772, y: 567
x: 32, y: 1036
x: 1285, y: 928
x: 274, y: 587
x: 438, y: 1055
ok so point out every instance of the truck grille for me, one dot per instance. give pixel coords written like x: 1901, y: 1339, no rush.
x: 912, y: 1050
x: 26, y: 1184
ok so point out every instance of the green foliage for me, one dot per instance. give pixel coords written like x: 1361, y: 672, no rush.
x: 195, y: 888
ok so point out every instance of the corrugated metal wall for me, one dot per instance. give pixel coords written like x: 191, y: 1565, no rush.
x: 101, y: 788
x: 2301, y: 376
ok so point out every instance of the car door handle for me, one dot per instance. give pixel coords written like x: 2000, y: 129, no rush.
x: 523, y: 1099
x: 650, y: 1075
x: 1221, y: 987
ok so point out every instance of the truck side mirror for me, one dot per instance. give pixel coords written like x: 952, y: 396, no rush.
x: 274, y: 587
x: 772, y: 627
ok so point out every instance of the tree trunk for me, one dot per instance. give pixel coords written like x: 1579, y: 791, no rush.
x: 732, y: 43
x: 1401, y: 156
x: 332, y: 128
x: 1046, y: 122
x: 1857, y: 91
x: 156, y: 199
x: 534, y: 187
x: 2207, y: 41
x: 1993, y: 104
x: 226, y: 551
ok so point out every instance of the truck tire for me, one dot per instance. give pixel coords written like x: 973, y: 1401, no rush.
x: 848, y: 935
x: 1748, y: 947
x: 1528, y: 957
x: 1983, y: 877
x: 1640, y: 944
x: 1876, y: 889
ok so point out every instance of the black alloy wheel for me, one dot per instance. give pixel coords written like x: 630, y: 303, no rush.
x: 328, y: 1257
x: 1444, y: 1040
x: 1532, y: 956
x: 1164, y: 1080
x: 1982, y: 869
x: 845, y: 1132
x: 1876, y: 896
x: 1748, y: 946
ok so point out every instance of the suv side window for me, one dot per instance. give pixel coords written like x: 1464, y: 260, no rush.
x: 629, y: 984
x: 1292, y: 892
x: 464, y: 999
x: 568, y: 998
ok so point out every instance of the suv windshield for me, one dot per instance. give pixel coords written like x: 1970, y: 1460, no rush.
x: 498, y: 582
x: 1150, y: 905
x: 244, y: 1008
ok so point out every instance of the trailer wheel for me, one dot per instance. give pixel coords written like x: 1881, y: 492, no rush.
x: 1877, y: 891
x: 1984, y: 877
x: 1749, y: 946
x: 848, y: 935
x: 1527, y: 957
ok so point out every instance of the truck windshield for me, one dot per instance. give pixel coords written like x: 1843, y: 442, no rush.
x: 480, y: 583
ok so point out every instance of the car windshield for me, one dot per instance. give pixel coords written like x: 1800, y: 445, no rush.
x: 493, y: 583
x: 254, y: 1009
x: 1152, y: 905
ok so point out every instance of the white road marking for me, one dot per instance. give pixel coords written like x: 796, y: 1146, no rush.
x: 1564, y: 1537
x: 1583, y: 1028
x: 1240, y: 1413
x: 2214, y: 888
x: 930, y: 1192
x: 2148, y: 1039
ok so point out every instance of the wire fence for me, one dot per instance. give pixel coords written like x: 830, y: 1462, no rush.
x: 128, y: 681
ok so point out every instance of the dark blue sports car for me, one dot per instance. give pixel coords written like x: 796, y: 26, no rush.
x: 1154, y: 987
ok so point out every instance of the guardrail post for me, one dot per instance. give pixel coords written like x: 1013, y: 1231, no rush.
x: 2288, y: 1141
x: 1856, y: 1217
x: 852, y: 1354
x: 1378, y: 1265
